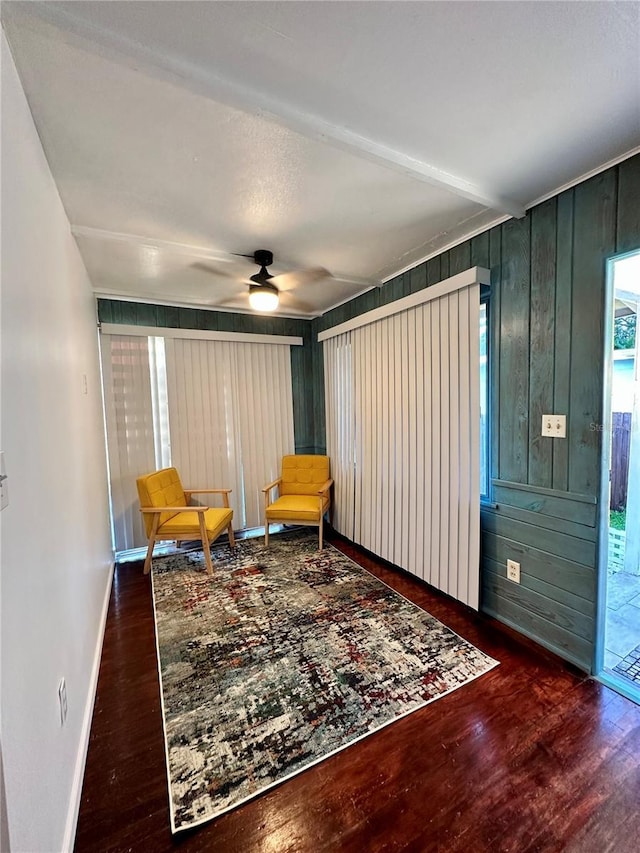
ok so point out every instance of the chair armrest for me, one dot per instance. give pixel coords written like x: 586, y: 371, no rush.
x: 207, y: 491
x: 271, y: 485
x: 326, y: 486
x: 224, y: 492
x: 159, y: 509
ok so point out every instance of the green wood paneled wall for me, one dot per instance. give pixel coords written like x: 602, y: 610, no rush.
x: 547, y: 309
x: 139, y: 314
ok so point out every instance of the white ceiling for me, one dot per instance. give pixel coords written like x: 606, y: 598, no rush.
x: 361, y: 137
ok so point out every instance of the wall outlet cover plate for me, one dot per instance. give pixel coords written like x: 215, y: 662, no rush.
x: 513, y: 571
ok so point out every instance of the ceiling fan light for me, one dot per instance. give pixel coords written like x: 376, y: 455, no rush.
x: 263, y: 297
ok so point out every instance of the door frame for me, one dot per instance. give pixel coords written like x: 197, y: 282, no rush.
x: 604, y: 493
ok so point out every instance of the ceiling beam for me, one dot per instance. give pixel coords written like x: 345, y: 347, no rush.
x: 210, y: 84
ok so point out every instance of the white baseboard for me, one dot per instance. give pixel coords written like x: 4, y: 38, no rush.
x: 81, y: 760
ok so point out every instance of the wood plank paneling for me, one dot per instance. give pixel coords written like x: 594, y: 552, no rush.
x: 513, y: 350
x: 594, y: 240
x: 480, y: 250
x: 563, y: 334
x: 418, y: 278
x: 318, y: 415
x: 434, y: 271
x: 168, y: 317
x: 628, y: 208
x: 556, y: 504
x: 548, y: 522
x: 558, y: 572
x: 549, y: 591
x: 553, y: 609
x: 188, y: 318
x: 524, y: 618
x: 460, y: 258
x: 556, y: 543
x: 389, y: 292
x: 301, y: 373
x: 542, y: 330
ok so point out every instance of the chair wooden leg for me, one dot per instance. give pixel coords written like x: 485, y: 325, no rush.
x: 147, y: 562
x: 232, y: 541
x: 320, y: 533
x: 152, y: 539
x: 207, y: 556
x: 266, y: 532
x: 206, y: 547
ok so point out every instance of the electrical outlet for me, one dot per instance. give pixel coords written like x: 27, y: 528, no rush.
x: 554, y: 425
x: 513, y: 571
x: 62, y: 698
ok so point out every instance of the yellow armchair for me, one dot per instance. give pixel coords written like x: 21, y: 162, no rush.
x: 304, y: 494
x: 167, y: 514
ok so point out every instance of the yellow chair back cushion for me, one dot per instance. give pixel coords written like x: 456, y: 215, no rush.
x: 162, y: 488
x: 303, y: 474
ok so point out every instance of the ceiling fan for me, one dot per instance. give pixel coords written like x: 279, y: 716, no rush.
x: 266, y: 291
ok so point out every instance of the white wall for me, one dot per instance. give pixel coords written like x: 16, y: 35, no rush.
x: 55, y: 544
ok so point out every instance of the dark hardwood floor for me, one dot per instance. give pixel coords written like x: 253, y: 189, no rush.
x: 532, y: 756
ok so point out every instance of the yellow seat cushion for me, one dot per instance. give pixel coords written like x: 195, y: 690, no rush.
x: 297, y: 508
x: 188, y: 524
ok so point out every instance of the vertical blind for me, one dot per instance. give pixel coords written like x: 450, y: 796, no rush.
x: 230, y: 417
x: 130, y: 429
x: 403, y: 434
x: 220, y: 411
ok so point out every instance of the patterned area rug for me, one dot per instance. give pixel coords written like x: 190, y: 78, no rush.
x: 285, y: 656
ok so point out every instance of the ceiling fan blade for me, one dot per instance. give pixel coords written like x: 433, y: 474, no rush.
x: 232, y: 301
x: 290, y: 280
x: 289, y: 301
x: 209, y: 268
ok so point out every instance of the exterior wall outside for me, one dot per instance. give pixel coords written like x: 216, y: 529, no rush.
x: 623, y: 384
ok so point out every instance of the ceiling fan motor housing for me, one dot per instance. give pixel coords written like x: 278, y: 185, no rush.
x: 263, y: 257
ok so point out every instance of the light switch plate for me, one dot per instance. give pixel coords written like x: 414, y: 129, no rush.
x: 554, y: 426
